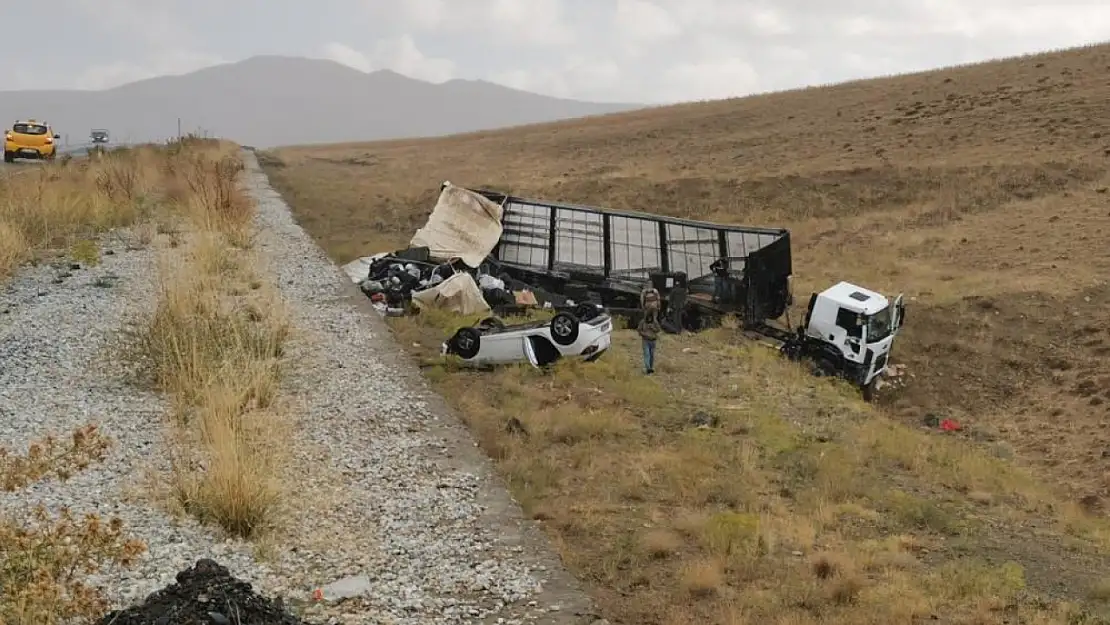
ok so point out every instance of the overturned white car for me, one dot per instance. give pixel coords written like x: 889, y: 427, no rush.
x: 586, y: 333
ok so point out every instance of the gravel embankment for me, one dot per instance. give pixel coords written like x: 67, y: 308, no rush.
x: 385, y: 482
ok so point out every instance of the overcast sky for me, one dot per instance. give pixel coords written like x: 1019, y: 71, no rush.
x: 606, y: 50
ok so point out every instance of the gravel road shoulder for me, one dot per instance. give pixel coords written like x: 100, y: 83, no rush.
x: 448, y: 533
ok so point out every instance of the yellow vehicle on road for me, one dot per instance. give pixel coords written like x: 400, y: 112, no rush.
x: 30, y: 139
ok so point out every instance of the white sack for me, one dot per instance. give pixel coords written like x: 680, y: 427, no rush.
x: 458, y: 294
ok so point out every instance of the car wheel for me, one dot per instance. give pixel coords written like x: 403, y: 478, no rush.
x: 466, y: 342
x: 9, y: 157
x: 564, y: 329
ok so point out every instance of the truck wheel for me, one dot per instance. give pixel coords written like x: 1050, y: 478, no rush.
x: 868, y: 390
x: 564, y: 329
x: 465, y: 343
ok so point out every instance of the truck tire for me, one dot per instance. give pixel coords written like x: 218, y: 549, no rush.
x: 868, y: 390
x: 564, y: 329
x: 465, y: 343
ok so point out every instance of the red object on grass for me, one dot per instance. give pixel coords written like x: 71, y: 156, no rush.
x: 948, y: 425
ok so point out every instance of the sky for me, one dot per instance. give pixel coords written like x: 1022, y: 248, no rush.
x: 634, y: 51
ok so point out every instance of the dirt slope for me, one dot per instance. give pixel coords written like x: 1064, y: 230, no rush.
x: 980, y: 191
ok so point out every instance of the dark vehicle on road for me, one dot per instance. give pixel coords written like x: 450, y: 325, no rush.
x: 99, y: 135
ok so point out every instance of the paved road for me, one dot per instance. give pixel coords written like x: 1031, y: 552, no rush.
x: 76, y: 151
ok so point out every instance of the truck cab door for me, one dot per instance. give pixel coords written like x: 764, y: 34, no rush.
x: 898, y: 313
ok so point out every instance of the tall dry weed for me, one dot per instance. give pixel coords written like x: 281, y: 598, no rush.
x: 44, y: 556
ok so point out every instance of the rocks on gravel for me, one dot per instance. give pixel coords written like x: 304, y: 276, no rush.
x: 204, y: 594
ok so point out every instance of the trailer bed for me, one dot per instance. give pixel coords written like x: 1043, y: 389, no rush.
x: 616, y: 252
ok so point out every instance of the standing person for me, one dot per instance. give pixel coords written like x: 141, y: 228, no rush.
x: 720, y: 279
x: 649, y: 330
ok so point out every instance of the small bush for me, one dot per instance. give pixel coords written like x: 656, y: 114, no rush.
x: 44, y: 557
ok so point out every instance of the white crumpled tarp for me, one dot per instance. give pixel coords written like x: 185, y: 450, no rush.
x: 459, y: 294
x: 358, y: 269
x: 462, y: 225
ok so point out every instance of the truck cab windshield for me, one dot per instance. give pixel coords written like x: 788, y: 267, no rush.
x: 879, y: 325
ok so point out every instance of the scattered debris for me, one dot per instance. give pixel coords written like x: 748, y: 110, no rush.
x: 516, y: 428
x: 935, y: 422
x: 204, y: 594
x: 704, y: 420
x: 345, y: 588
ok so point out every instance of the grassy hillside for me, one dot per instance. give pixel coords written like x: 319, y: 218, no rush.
x: 980, y: 191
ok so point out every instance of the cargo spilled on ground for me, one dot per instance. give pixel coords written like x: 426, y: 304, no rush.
x: 732, y: 485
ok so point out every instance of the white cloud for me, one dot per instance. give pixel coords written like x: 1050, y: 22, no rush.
x: 710, y: 80
x: 399, y: 54
x: 577, y: 78
x: 500, y: 23
x: 641, y: 22
x: 111, y: 75
x: 345, y: 54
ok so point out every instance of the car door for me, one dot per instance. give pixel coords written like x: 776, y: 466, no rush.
x: 501, y: 348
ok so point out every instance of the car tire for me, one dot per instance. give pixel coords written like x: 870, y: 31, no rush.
x: 9, y: 157
x: 466, y: 343
x: 564, y: 329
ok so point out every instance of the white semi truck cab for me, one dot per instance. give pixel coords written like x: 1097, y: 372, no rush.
x: 848, y: 332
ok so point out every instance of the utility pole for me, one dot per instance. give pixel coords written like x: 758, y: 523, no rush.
x: 178, y: 128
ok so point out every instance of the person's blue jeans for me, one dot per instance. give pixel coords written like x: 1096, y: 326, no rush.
x: 720, y: 287
x: 649, y: 356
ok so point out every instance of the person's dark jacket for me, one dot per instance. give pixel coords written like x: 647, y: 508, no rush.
x: 720, y: 267
x: 649, y: 328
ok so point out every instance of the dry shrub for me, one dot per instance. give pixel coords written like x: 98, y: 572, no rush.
x: 44, y: 556
x: 209, y: 181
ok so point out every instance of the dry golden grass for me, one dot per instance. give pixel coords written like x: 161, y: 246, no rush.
x: 58, y: 205
x: 214, y: 343
x: 980, y: 191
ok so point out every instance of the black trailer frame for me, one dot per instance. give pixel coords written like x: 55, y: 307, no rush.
x: 609, y: 255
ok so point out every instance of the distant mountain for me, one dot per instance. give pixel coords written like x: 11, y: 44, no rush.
x: 268, y: 101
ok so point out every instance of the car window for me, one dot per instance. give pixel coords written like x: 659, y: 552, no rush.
x: 29, y: 129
